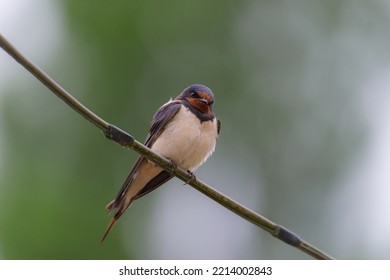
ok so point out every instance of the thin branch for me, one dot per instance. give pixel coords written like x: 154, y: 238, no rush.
x: 126, y: 140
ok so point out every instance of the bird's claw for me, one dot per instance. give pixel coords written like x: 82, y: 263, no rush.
x: 192, y: 177
x: 173, y: 166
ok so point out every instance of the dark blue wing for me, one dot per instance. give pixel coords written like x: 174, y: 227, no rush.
x: 162, y: 117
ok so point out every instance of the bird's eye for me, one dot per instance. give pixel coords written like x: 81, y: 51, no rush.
x: 194, y: 94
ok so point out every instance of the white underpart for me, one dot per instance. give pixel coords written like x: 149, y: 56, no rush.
x: 186, y: 140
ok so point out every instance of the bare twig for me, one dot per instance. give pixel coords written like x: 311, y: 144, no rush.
x: 128, y: 141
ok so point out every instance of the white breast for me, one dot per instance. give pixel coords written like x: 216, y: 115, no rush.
x: 186, y: 140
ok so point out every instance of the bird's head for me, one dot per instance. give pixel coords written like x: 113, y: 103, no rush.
x: 198, y: 96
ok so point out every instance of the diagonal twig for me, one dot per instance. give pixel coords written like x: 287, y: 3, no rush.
x: 126, y: 140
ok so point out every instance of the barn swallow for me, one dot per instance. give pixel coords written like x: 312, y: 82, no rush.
x: 183, y: 130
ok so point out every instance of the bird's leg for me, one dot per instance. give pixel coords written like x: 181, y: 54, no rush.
x: 173, y: 165
x: 192, y: 177
x: 189, y: 172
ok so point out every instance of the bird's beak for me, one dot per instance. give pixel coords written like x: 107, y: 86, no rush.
x: 204, y: 101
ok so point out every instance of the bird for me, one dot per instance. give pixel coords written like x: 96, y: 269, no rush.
x: 183, y: 130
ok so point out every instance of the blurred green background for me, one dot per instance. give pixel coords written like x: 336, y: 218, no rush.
x: 302, y: 91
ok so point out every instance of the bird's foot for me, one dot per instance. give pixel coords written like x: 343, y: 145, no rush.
x: 192, y: 177
x: 173, y: 166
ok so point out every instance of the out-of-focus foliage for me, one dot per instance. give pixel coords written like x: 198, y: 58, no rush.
x: 289, y: 79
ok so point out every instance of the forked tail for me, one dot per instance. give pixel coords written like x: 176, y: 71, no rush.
x: 121, y: 209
